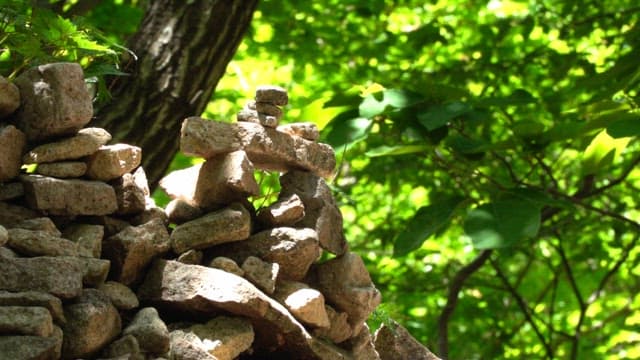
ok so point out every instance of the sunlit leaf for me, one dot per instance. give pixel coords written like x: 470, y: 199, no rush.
x: 397, y: 150
x: 601, y: 152
x: 440, y: 115
x: 347, y: 128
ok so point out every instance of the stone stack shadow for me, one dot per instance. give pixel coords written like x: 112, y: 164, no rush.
x: 92, y: 268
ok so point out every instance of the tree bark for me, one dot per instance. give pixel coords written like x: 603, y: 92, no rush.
x: 182, y: 50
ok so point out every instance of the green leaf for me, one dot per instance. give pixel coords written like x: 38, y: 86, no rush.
x: 502, y: 223
x: 625, y: 126
x: 518, y: 97
x: 440, y: 115
x: 397, y: 150
x: 347, y: 128
x: 379, y: 102
x: 427, y: 221
x: 601, y: 152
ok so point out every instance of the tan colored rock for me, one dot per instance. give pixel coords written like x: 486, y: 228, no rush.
x: 305, y: 130
x: 120, y: 295
x: 113, y: 161
x: 7, y: 253
x: 9, y: 97
x: 269, y: 109
x: 181, y: 184
x: 11, y: 214
x: 11, y: 190
x: 28, y: 347
x: 267, y: 149
x: 92, y: 323
x: 131, y: 194
x: 84, y: 143
x: 361, y: 345
x: 272, y: 94
x: 394, y: 342
x: 59, y: 276
x: 180, y: 211
x: 193, y: 257
x: 54, y: 101
x: 69, y: 197
x: 12, y: 144
x: 40, y: 243
x: 125, y: 348
x: 43, y: 224
x: 305, y: 303
x: 150, y: 331
x: 339, y: 329
x: 321, y: 211
x: 346, y: 284
x: 25, y: 320
x: 63, y: 169
x: 285, y: 212
x: 58, y: 335
x: 88, y: 237
x: 35, y: 299
x: 132, y: 249
x: 4, y: 235
x: 94, y: 271
x: 110, y: 224
x: 227, y: 225
x: 152, y: 212
x: 294, y: 250
x: 225, y: 337
x: 261, y: 273
x: 226, y: 264
x: 186, y: 345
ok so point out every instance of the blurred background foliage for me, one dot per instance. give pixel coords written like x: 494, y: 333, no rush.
x: 487, y: 154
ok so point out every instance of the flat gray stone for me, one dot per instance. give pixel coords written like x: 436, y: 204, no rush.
x: 4, y: 235
x: 40, y: 243
x: 25, y: 320
x: 62, y: 169
x: 272, y: 94
x: 59, y: 276
x: 87, y: 236
x: 121, y: 295
x: 28, y: 347
x: 11, y: 214
x: 43, y: 224
x: 84, y: 143
x: 54, y: 101
x: 35, y: 298
x: 268, y: 149
x: 150, y: 331
x: 227, y: 225
x: 112, y: 161
x: 12, y: 144
x: 287, y: 211
x: 69, y: 197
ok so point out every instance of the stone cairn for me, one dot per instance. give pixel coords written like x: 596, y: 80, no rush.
x: 91, y: 268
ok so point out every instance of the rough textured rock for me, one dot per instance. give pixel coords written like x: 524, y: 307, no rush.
x: 4, y: 235
x: 305, y: 303
x: 321, y: 211
x: 25, y: 320
x: 121, y: 296
x: 346, y: 284
x: 9, y: 97
x: 222, y: 226
x: 150, y: 331
x: 287, y: 211
x: 63, y: 169
x: 12, y: 143
x: 180, y: 211
x: 11, y: 190
x: 84, y: 143
x: 28, y: 347
x: 43, y: 224
x: 294, y: 250
x: 11, y: 214
x: 361, y: 345
x: 131, y: 193
x: 186, y: 345
x: 133, y: 248
x: 54, y: 101
x: 92, y: 323
x: 339, y: 329
x: 305, y: 130
x: 225, y: 337
x: 393, y: 342
x: 87, y: 236
x: 37, y: 299
x: 261, y: 273
x: 69, y: 197
x: 226, y: 264
x: 36, y: 243
x: 126, y: 348
x: 267, y: 149
x: 272, y: 94
x: 94, y: 271
x: 113, y: 161
x: 193, y: 257
x: 59, y: 276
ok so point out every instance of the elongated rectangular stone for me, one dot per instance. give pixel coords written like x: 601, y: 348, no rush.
x: 59, y: 276
x: 268, y: 149
x: 69, y: 197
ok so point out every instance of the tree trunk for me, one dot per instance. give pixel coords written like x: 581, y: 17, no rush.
x: 182, y: 49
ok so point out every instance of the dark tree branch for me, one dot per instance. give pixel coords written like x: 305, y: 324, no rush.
x: 452, y: 300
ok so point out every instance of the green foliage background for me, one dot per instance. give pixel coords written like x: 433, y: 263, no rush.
x: 488, y: 157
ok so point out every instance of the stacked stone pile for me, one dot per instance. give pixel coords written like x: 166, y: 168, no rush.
x: 91, y: 268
